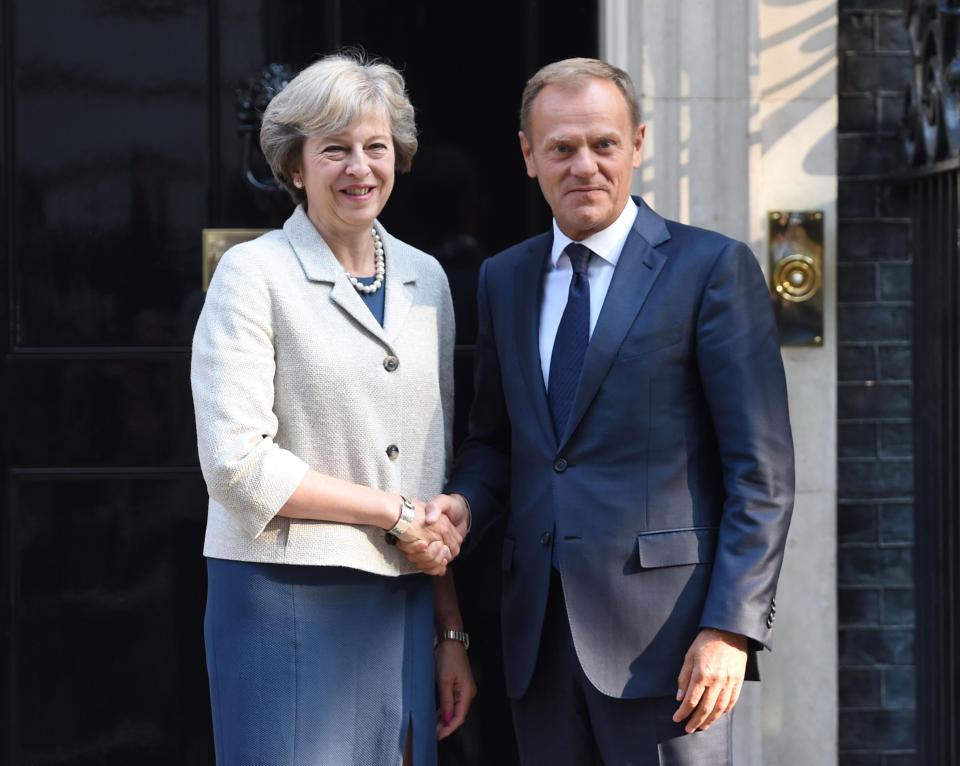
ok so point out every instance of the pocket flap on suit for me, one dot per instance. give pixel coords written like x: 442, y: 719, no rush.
x: 506, y: 557
x: 676, y: 547
x: 641, y: 344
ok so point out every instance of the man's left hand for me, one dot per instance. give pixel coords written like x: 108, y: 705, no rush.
x: 709, y: 683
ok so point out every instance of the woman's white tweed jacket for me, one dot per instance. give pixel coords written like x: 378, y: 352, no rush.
x: 290, y: 371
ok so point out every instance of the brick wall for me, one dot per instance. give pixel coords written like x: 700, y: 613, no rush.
x: 875, y: 496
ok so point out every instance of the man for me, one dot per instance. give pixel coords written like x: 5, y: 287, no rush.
x: 631, y: 418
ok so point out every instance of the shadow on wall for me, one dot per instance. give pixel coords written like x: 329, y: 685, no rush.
x: 713, y: 96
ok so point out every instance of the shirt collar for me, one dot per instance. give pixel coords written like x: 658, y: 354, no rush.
x: 607, y: 244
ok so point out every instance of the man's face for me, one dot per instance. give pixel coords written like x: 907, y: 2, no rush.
x: 583, y: 150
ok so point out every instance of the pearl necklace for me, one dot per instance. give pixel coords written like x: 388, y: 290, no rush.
x: 380, y: 268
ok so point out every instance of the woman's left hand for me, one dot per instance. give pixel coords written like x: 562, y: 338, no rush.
x: 455, y: 687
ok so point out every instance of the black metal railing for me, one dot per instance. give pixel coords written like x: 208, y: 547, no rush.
x: 931, y: 143
x: 934, y: 198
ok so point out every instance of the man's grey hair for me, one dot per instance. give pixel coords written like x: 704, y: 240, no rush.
x: 325, y: 98
x: 575, y: 73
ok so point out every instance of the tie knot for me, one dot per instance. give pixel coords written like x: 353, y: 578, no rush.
x: 579, y: 256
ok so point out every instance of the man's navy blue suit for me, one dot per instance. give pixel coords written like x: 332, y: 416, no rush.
x: 669, y: 495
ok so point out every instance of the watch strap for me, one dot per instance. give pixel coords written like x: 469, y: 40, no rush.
x: 408, y: 515
x: 452, y: 635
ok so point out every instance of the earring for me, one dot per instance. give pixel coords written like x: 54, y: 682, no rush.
x: 298, y: 183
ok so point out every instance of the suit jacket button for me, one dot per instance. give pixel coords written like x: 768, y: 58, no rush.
x: 545, y: 538
x: 393, y: 452
x: 391, y: 363
x: 560, y: 465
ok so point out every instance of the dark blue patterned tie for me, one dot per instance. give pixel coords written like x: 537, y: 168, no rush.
x: 570, y: 345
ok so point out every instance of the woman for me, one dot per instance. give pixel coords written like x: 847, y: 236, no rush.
x: 322, y: 382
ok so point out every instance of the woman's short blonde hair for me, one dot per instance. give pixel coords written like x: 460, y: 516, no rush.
x: 575, y: 73
x: 325, y: 98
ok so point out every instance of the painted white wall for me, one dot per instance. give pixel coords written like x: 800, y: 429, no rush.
x: 740, y: 103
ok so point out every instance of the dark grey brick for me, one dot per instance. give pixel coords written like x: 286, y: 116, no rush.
x: 896, y: 523
x: 869, y: 565
x: 856, y: 362
x: 856, y: 199
x: 875, y: 646
x: 857, y: 113
x: 900, y: 688
x: 901, y: 759
x: 857, y: 440
x: 874, y: 71
x: 855, y: 32
x: 866, y: 479
x: 859, y: 155
x: 892, y: 32
x: 894, y: 200
x: 859, y: 607
x: 895, y: 281
x: 896, y: 440
x: 896, y: 362
x: 860, y: 688
x: 890, y: 111
x: 869, y: 5
x: 874, y: 322
x: 878, y: 401
x: 858, y: 523
x: 899, y: 606
x: 859, y: 759
x: 856, y: 282
x: 877, y: 729
x: 863, y: 241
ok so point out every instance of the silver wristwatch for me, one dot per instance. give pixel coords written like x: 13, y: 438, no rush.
x: 407, y: 516
x: 452, y: 635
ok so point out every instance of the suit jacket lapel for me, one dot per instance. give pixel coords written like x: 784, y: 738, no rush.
x: 320, y: 265
x: 637, y: 270
x: 400, y: 285
x: 528, y: 292
x: 345, y: 296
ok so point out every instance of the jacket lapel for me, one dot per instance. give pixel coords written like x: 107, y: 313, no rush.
x: 400, y: 285
x: 637, y: 270
x: 528, y: 290
x: 320, y: 265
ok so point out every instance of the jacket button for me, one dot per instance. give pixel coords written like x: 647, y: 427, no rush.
x: 545, y: 538
x: 560, y: 465
x: 393, y: 452
x: 391, y: 363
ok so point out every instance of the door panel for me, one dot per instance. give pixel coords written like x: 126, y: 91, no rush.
x: 118, y: 121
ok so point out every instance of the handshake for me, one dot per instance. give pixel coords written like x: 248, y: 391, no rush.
x: 434, y: 538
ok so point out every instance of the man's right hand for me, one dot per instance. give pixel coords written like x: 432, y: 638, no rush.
x: 430, y: 546
x: 454, y: 507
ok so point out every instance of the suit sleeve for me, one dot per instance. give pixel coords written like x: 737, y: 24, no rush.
x: 231, y: 373
x: 738, y: 355
x: 481, y: 472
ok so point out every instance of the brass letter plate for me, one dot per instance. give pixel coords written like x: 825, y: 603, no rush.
x: 217, y: 241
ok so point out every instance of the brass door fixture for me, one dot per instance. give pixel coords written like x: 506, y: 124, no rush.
x: 796, y: 275
x: 217, y: 241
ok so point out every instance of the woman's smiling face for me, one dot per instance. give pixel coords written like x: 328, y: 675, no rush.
x: 348, y: 176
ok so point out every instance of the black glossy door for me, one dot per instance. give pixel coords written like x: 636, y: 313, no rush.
x: 120, y: 144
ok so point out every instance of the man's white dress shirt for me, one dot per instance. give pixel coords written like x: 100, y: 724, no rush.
x: 606, y: 246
